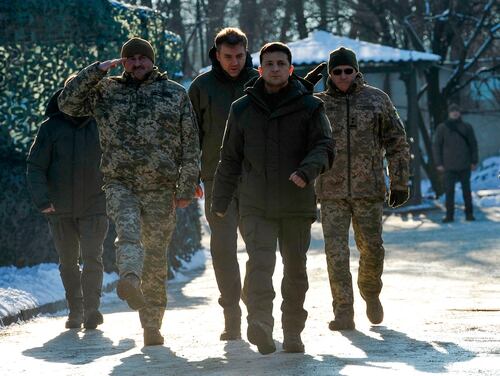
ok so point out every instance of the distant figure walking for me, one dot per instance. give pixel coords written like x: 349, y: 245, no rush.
x: 455, y: 152
x: 66, y: 185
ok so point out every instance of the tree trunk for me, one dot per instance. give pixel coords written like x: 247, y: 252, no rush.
x: 247, y: 18
x: 298, y: 6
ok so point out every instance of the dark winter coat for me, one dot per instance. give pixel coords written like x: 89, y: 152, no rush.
x: 455, y: 145
x: 63, y: 165
x: 264, y: 146
x: 366, y: 128
x: 211, y: 94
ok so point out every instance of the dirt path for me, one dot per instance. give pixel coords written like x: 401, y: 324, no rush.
x: 441, y: 296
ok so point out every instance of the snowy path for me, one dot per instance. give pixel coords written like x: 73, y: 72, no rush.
x: 441, y: 296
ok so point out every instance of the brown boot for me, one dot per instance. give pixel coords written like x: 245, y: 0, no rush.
x: 342, y: 323
x: 374, y: 310
x: 258, y: 335
x: 292, y: 343
x: 153, y: 337
x: 129, y: 289
x: 232, y: 329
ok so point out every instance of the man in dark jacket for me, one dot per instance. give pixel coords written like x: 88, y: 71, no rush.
x: 66, y: 185
x: 211, y: 94
x: 366, y: 128
x: 277, y: 141
x: 455, y: 152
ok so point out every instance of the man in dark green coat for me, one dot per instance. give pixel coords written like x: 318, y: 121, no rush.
x: 277, y: 141
x: 66, y: 185
x: 455, y: 153
x: 211, y: 94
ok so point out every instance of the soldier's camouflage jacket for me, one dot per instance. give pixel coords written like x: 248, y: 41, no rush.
x: 147, y: 130
x: 365, y: 127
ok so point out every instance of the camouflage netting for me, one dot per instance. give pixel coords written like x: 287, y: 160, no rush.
x: 42, y: 43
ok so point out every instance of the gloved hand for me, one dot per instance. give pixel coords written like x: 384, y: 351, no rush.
x: 315, y: 75
x: 398, y: 197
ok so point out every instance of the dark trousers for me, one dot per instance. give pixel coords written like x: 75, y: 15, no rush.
x: 75, y: 237
x: 450, y: 179
x: 223, y: 248
x: 293, y: 236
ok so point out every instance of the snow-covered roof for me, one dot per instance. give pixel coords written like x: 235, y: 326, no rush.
x: 317, y: 46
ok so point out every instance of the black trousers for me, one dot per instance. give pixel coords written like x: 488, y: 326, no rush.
x: 223, y: 248
x: 75, y: 237
x: 293, y: 236
x: 450, y: 179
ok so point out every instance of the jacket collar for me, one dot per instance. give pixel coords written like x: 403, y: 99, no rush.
x: 298, y: 87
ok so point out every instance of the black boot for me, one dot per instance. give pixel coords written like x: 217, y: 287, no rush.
x: 374, y: 310
x: 129, y: 289
x: 75, y: 320
x: 258, y: 335
x: 292, y: 343
x: 93, y: 318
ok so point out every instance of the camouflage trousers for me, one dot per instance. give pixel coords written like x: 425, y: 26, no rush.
x: 144, y: 222
x: 366, y: 217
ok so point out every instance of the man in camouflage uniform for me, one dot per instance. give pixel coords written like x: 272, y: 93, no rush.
x: 150, y: 163
x: 212, y: 94
x: 366, y: 127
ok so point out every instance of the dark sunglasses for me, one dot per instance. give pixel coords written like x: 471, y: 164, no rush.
x: 338, y: 71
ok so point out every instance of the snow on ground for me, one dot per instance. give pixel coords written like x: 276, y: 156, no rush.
x: 485, y: 185
x: 30, y: 287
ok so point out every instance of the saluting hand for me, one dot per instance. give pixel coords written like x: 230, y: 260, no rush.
x: 110, y: 64
x: 49, y: 210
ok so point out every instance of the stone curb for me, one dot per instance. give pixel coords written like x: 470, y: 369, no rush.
x: 52, y: 307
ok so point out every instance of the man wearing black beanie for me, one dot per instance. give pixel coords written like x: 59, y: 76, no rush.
x: 366, y: 127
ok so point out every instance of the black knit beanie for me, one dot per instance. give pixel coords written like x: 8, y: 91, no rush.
x: 138, y: 46
x: 342, y: 56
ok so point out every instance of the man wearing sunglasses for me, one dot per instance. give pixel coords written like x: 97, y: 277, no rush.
x: 366, y: 128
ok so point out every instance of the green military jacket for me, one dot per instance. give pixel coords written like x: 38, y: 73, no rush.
x: 147, y: 130
x: 263, y: 145
x: 366, y: 128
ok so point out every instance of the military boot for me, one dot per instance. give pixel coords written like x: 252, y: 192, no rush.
x: 75, y: 320
x: 292, y: 343
x: 232, y: 329
x: 258, y: 335
x: 129, y: 289
x: 374, y: 310
x: 153, y: 337
x: 93, y: 318
x: 342, y: 322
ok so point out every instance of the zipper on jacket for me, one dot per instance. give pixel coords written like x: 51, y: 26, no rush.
x: 348, y: 124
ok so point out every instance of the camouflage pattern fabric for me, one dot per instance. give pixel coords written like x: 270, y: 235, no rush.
x: 147, y: 130
x: 144, y: 222
x: 366, y: 217
x: 366, y: 127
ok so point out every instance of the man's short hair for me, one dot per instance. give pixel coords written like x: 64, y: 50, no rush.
x: 276, y: 47
x: 231, y: 36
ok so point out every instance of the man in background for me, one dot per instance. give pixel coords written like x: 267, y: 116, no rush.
x: 456, y: 155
